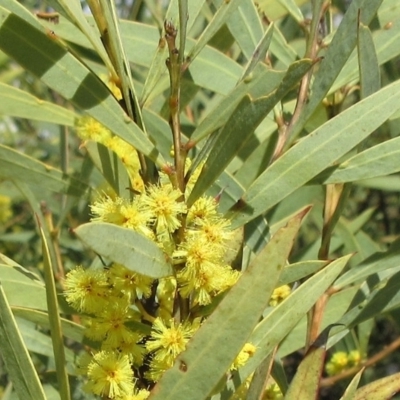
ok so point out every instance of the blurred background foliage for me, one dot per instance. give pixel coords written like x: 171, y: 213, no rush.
x: 370, y: 220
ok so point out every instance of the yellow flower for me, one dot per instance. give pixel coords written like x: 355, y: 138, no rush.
x: 279, y: 294
x: 205, y: 282
x: 88, y: 128
x: 5, y: 208
x: 166, y: 296
x: 142, y: 394
x: 193, y: 177
x: 247, y: 352
x: 157, y: 367
x: 337, y: 363
x: 87, y: 290
x: 214, y: 232
x: 203, y: 210
x: 110, y: 326
x: 166, y: 342
x: 114, y: 89
x: 354, y: 357
x: 273, y: 393
x: 136, y: 217
x: 110, y: 375
x: 162, y: 202
x: 129, y: 157
x: 129, y: 282
x: 109, y: 210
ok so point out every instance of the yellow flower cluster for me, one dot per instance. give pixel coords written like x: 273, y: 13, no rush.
x: 341, y: 361
x: 113, y: 300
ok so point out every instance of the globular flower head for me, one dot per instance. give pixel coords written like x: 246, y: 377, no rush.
x: 5, y: 208
x: 164, y: 205
x: 203, y: 210
x: 169, y: 339
x: 247, y: 352
x: 110, y: 326
x: 110, y: 375
x: 166, y: 289
x: 136, y: 217
x: 272, y: 392
x: 109, y: 210
x: 354, y: 357
x: 112, y: 85
x: 87, y: 290
x: 337, y: 363
x: 88, y: 128
x: 142, y: 394
x: 130, y: 283
x: 279, y: 294
x: 157, y: 367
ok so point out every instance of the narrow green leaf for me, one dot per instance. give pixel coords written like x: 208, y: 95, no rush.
x: 259, y: 52
x: 45, y: 57
x: 374, y: 264
x: 302, y: 269
x: 322, y: 147
x: 126, y: 247
x: 257, y: 234
x: 229, y: 189
x: 389, y: 10
x: 70, y: 329
x: 15, y: 355
x: 260, y: 378
x: 120, y: 61
x: 246, y: 117
x: 305, y: 384
x: 110, y: 167
x: 156, y: 71
x: 381, y: 389
x: 281, y: 49
x: 351, y: 389
x: 22, y: 287
x: 246, y: 27
x: 338, y: 52
x: 293, y: 9
x: 197, y: 371
x: 39, y: 342
x: 55, y: 323
x: 263, y: 81
x: 17, y: 103
x: 221, y: 16
x: 284, y: 317
x: 20, y: 167
x: 211, y: 69
x: 337, y: 306
x: 376, y: 161
x: 370, y: 77
x: 384, y: 297
x: 73, y: 10
x: 385, y: 44
x: 157, y: 66
x: 274, y: 9
x: 387, y: 183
